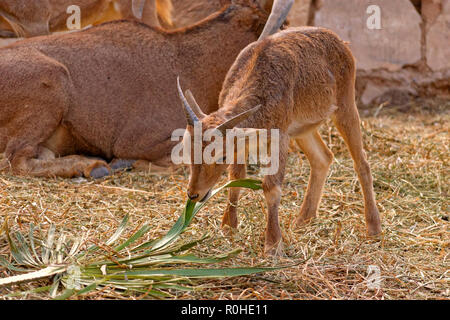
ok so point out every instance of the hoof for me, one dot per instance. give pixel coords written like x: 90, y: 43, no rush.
x: 274, y: 250
x: 301, y: 222
x: 228, y: 231
x: 120, y: 164
x: 373, y: 224
x: 99, y: 172
x: 229, y: 219
x: 375, y: 234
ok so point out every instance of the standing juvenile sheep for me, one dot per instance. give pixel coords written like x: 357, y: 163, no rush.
x: 299, y: 77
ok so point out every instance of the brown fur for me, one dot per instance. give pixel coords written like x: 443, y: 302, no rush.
x: 101, y: 92
x: 186, y: 12
x: 40, y: 17
x: 6, y: 30
x: 300, y: 77
x: 154, y: 12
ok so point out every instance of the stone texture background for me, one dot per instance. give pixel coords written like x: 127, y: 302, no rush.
x: 409, y: 56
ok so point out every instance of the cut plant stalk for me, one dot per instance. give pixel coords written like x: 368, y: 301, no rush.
x: 153, y: 267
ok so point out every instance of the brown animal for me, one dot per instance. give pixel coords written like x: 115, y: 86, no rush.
x: 23, y: 18
x: 187, y: 12
x: 300, y: 77
x: 101, y: 92
x: 148, y: 11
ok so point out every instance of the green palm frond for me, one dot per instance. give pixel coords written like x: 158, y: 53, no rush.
x: 154, y: 267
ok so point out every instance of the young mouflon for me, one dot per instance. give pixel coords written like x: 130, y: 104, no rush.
x: 299, y: 78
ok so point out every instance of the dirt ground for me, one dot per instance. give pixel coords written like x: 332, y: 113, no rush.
x: 408, y: 149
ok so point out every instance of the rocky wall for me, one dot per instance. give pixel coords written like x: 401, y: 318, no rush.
x: 402, y: 47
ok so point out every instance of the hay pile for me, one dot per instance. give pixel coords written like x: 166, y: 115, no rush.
x: 408, y: 149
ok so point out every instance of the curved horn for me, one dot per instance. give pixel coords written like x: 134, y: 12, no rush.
x: 195, y: 107
x: 231, y: 123
x: 190, y: 115
x: 280, y: 10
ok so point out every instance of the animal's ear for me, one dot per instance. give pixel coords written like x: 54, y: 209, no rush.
x: 193, y: 103
x: 231, y: 123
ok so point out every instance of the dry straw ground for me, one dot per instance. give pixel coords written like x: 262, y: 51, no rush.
x: 408, y: 148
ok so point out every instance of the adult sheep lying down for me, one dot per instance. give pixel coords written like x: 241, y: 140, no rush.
x: 102, y: 93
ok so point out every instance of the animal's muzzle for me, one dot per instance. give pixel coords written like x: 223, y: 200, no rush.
x: 192, y: 197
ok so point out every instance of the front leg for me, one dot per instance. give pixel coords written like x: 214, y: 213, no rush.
x: 236, y: 171
x: 272, y: 192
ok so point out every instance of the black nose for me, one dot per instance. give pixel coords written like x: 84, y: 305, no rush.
x: 193, y: 197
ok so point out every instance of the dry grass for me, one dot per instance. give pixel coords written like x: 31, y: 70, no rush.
x: 409, y: 154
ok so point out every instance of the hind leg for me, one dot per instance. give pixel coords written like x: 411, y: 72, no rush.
x: 41, y: 162
x: 67, y: 167
x: 347, y: 121
x: 320, y: 159
x: 25, y: 154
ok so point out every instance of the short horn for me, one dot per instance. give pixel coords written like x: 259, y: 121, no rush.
x: 190, y: 115
x: 231, y: 123
x: 193, y: 103
x: 280, y: 11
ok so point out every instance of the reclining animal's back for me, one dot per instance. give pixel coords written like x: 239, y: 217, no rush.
x: 108, y: 90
